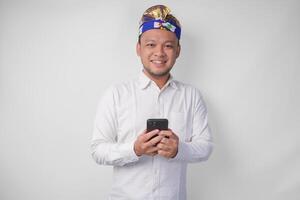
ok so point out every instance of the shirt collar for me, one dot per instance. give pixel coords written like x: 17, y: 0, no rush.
x: 144, y: 81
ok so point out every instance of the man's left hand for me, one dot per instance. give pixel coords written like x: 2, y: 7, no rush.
x: 168, y: 146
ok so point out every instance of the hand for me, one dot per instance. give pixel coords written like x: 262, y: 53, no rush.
x: 168, y: 146
x: 144, y: 145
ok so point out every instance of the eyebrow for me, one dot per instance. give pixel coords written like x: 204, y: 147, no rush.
x: 150, y: 40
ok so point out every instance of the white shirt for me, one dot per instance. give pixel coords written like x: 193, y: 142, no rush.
x: 121, y: 116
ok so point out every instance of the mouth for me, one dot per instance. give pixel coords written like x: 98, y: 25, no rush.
x: 158, y: 62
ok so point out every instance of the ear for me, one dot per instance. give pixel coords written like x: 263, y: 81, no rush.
x: 178, y: 51
x: 138, y: 49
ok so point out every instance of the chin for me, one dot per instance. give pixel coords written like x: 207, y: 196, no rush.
x: 159, y: 73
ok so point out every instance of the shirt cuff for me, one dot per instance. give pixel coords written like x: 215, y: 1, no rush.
x: 128, y: 152
x: 181, y: 152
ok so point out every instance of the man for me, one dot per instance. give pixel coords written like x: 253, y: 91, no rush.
x: 152, y: 165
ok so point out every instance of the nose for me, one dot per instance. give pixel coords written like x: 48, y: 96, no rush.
x: 159, y: 51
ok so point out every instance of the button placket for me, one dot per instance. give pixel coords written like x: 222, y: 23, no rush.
x: 161, y: 104
x: 155, y: 172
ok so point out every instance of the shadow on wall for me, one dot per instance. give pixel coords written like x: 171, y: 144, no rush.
x: 192, y: 67
x: 217, y: 171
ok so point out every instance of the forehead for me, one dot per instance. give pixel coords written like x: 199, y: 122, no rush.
x: 158, y: 35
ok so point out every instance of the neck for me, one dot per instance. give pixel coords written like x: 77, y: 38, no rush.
x: 159, y: 80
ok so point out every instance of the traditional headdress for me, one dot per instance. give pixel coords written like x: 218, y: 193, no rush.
x: 159, y: 17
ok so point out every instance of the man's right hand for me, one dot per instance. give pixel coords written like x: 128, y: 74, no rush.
x: 144, y: 145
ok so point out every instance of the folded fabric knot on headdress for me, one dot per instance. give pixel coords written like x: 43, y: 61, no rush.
x: 159, y: 17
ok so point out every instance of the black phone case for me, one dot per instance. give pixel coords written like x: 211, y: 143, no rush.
x: 160, y: 124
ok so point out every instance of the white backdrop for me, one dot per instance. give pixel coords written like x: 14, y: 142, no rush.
x: 57, y: 57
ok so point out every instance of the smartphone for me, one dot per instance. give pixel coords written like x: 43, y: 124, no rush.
x: 160, y: 124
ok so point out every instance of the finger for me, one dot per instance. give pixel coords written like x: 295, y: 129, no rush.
x: 152, y: 150
x: 169, y: 141
x: 166, y: 133
x: 163, y: 147
x: 150, y: 134
x: 154, y: 141
x: 165, y: 140
x: 141, y: 135
x: 163, y: 153
x: 173, y: 136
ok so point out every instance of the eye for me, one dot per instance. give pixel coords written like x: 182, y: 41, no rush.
x: 170, y: 46
x: 150, y: 44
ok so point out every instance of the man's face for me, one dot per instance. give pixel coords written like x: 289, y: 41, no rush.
x: 158, y: 50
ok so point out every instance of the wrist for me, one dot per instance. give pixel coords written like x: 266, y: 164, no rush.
x: 135, y: 150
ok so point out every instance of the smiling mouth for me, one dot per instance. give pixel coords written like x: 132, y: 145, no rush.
x: 158, y: 62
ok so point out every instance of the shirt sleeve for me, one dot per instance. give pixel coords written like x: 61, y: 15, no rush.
x: 200, y: 146
x: 105, y: 148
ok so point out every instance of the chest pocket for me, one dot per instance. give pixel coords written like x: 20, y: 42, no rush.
x: 178, y: 124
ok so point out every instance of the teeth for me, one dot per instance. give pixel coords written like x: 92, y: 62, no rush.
x: 157, y: 61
